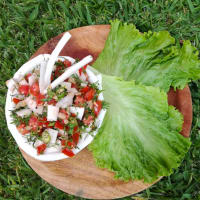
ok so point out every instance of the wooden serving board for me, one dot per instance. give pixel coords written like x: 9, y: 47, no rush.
x: 79, y: 175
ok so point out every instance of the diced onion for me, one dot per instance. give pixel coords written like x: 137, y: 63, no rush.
x: 53, y: 133
x: 66, y: 101
x: 24, y: 112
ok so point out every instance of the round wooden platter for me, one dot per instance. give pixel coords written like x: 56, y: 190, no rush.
x: 79, y: 175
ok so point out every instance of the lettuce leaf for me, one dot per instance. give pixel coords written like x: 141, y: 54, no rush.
x: 152, y: 59
x: 139, y: 137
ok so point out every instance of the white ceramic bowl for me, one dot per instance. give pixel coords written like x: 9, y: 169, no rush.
x: 21, y: 140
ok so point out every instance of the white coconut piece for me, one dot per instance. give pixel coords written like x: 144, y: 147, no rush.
x: 79, y: 111
x: 65, y: 38
x: 52, y: 113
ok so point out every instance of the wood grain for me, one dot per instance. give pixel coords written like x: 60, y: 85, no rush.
x: 79, y: 175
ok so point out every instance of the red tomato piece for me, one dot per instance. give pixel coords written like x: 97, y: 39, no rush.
x: 88, y: 120
x: 39, y: 99
x: 73, y: 85
x: 52, y: 102
x: 24, y: 89
x: 85, y: 89
x: 75, y: 137
x: 34, y: 89
x: 41, y: 148
x: 59, y: 125
x: 27, y: 76
x: 79, y: 100
x: 73, y: 114
x: 64, y: 112
x: 22, y: 129
x: 58, y: 71
x: 70, y: 144
x: 67, y: 63
x: 16, y: 100
x: 81, y: 69
x: 90, y: 94
x: 68, y: 152
x: 34, y: 123
x: 63, y: 142
x: 97, y: 107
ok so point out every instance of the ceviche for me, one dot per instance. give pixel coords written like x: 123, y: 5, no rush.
x: 55, y: 120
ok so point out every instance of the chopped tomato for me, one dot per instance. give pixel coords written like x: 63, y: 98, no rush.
x: 73, y: 85
x: 97, y: 107
x: 79, y: 100
x: 67, y: 63
x: 90, y: 94
x: 34, y: 123
x: 58, y: 71
x: 52, y: 102
x: 22, y: 129
x: 59, y: 125
x: 85, y: 89
x: 63, y: 142
x: 24, y: 89
x: 64, y: 112
x: 41, y: 148
x: 75, y: 137
x: 81, y: 69
x: 73, y: 114
x: 39, y: 99
x: 34, y: 89
x: 16, y: 101
x: 27, y: 76
x: 70, y: 144
x: 43, y: 121
x: 68, y: 152
x: 87, y: 121
x: 75, y: 129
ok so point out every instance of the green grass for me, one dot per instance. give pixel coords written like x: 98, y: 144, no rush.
x: 26, y: 25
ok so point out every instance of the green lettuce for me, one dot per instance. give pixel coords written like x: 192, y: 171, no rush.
x: 139, y: 137
x: 152, y: 59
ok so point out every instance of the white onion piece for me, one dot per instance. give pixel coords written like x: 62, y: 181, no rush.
x: 32, y: 79
x: 66, y: 101
x: 79, y: 111
x: 52, y: 113
x: 38, y: 143
x: 31, y: 103
x: 21, y: 104
x: 67, y: 85
x: 24, y: 112
x: 83, y: 84
x: 23, y: 82
x: 53, y: 133
x: 38, y: 110
x: 11, y: 84
x: 65, y: 38
x: 71, y: 70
